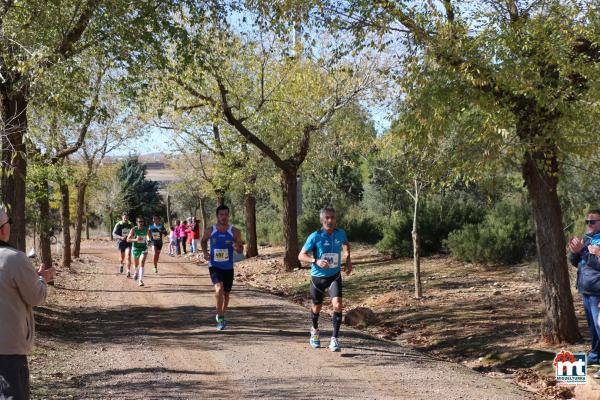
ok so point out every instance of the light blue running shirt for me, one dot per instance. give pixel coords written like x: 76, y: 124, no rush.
x: 328, y: 247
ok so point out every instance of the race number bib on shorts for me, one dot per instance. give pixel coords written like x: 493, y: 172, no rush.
x: 125, y: 232
x: 221, y: 255
x: 332, y: 258
x: 156, y: 235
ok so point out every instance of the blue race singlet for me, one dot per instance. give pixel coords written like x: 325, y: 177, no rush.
x: 221, y: 248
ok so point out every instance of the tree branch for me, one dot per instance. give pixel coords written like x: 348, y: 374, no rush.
x: 244, y: 131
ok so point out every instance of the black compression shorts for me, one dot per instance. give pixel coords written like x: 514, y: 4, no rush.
x: 319, y: 285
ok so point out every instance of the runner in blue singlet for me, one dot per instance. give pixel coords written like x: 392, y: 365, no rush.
x: 224, y: 240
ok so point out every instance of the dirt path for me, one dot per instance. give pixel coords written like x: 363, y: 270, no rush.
x: 160, y: 342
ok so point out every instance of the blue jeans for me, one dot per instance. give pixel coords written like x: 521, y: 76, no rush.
x: 590, y: 305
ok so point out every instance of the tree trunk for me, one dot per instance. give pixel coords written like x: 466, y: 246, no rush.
x: 540, y: 172
x: 81, y: 188
x: 65, y: 219
x: 14, y: 162
x: 415, y: 239
x: 250, y: 214
x: 87, y: 223
x: 204, y: 214
x: 290, y: 222
x: 45, y: 247
x: 110, y: 224
x: 220, y: 197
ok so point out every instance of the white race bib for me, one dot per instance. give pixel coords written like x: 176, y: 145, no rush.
x: 221, y: 255
x: 156, y: 235
x: 125, y: 232
x: 332, y: 258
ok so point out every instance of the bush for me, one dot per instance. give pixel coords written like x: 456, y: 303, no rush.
x: 437, y: 218
x: 397, y: 239
x: 505, y: 236
x: 362, y: 228
x: 307, y: 224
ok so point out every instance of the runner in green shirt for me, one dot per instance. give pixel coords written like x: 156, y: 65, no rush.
x: 139, y: 237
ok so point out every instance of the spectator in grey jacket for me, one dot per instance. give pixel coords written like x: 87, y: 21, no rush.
x: 21, y: 288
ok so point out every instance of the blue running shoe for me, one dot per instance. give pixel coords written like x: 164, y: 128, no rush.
x: 315, y: 340
x: 220, y: 323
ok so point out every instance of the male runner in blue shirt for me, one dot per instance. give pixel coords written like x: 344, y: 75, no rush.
x: 224, y: 239
x: 326, y: 247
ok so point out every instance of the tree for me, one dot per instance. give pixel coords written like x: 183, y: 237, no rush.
x: 39, y: 36
x: 107, y: 196
x: 275, y: 100
x: 61, y: 125
x: 528, y: 66
x: 141, y: 195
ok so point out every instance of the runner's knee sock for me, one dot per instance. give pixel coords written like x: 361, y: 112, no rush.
x: 336, y: 320
x: 141, y: 273
x: 315, y: 320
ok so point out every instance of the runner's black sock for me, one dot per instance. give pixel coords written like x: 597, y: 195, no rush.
x: 336, y: 320
x: 315, y: 320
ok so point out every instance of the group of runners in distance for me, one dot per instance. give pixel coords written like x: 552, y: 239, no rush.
x: 323, y: 250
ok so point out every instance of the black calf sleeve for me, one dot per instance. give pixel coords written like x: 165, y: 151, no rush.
x: 315, y: 320
x: 336, y: 320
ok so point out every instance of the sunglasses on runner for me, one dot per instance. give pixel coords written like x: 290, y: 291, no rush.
x: 7, y: 222
x: 591, y: 221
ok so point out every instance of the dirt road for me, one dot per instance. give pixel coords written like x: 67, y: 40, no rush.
x: 160, y: 342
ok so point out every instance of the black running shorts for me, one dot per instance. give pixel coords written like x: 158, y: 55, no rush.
x: 122, y: 245
x: 224, y: 276
x: 319, y: 285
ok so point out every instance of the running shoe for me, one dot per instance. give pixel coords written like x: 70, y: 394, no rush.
x: 155, y: 270
x: 220, y: 324
x: 334, y: 345
x: 128, y: 273
x: 121, y: 268
x: 135, y: 276
x: 315, y: 340
x: 596, y: 375
x: 141, y: 283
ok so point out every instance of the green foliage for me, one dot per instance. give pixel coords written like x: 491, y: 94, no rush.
x: 504, y: 236
x: 362, y: 228
x: 141, y: 195
x: 438, y: 217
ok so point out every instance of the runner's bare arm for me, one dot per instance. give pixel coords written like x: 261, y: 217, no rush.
x: 130, y: 238
x: 307, y: 258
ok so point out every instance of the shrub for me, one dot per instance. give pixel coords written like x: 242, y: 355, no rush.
x: 362, y: 228
x: 397, y: 239
x: 505, y: 236
x: 437, y: 218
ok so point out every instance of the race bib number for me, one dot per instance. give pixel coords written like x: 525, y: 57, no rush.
x: 125, y: 232
x: 332, y: 258
x: 221, y: 255
x: 156, y: 235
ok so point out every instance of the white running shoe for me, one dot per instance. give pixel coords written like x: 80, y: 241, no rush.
x: 334, y: 345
